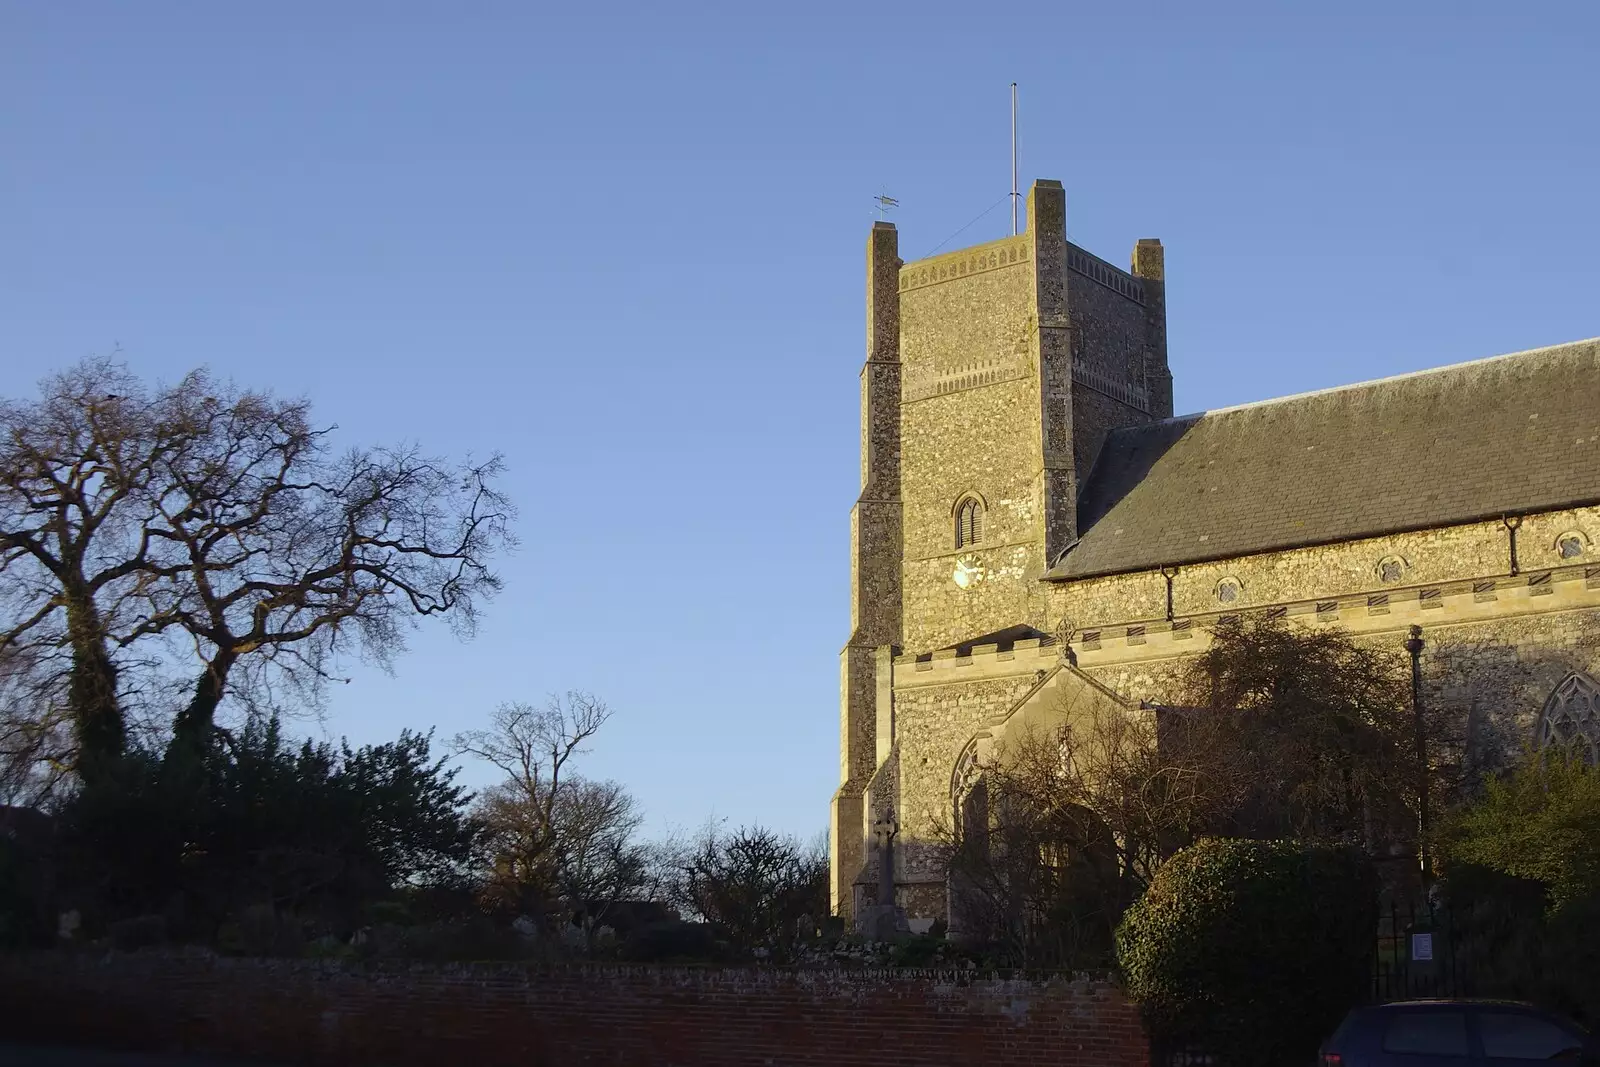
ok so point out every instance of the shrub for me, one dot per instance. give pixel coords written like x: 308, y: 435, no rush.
x: 317, y: 830
x: 141, y: 931
x: 260, y: 930
x: 919, y: 950
x: 1540, y: 822
x: 466, y: 939
x: 671, y: 940
x: 1509, y: 943
x: 25, y: 914
x: 1522, y: 877
x: 753, y: 886
x: 1571, y: 966
x: 1250, y: 950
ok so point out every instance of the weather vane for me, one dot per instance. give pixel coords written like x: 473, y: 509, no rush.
x: 886, y: 204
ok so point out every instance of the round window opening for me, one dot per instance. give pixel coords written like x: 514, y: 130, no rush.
x: 1390, y: 568
x: 1228, y: 590
x: 1569, y: 546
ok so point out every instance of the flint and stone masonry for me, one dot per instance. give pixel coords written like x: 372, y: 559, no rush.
x: 1030, y: 377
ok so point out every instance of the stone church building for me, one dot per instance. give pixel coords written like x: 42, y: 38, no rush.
x: 1036, y: 531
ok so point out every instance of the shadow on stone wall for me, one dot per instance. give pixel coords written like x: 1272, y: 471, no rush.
x: 1483, y: 698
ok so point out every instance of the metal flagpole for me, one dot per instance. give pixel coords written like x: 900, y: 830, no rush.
x: 1015, y: 194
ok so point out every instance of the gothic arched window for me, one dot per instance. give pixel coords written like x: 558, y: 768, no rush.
x: 969, y: 522
x: 1571, y: 717
x: 970, y: 794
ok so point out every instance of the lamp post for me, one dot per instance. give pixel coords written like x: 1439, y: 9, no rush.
x: 1414, y: 645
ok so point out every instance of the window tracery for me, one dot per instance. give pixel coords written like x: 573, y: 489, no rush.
x: 1571, y: 717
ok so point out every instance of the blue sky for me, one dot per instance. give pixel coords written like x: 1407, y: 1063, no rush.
x: 624, y: 247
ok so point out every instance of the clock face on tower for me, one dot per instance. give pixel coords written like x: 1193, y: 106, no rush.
x: 967, y: 572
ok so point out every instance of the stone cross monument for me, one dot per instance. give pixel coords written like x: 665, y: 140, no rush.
x: 884, y: 830
x: 884, y: 921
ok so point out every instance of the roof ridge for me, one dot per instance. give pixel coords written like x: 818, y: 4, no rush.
x: 1376, y: 381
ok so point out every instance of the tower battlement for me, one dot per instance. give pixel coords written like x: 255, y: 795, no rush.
x: 964, y: 262
x: 1029, y: 650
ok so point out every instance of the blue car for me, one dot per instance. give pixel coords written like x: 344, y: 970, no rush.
x: 1455, y: 1033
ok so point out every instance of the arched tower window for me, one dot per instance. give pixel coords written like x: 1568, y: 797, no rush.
x: 969, y: 522
x: 1571, y: 717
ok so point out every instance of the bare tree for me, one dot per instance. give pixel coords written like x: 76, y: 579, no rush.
x: 559, y: 845
x: 599, y: 860
x: 216, y: 522
x: 73, y: 470
x: 281, y: 553
x: 36, y: 744
x: 1063, y: 829
x: 1273, y: 732
x: 1326, y: 725
x: 753, y: 885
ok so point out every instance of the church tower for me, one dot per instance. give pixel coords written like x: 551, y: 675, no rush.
x: 993, y: 375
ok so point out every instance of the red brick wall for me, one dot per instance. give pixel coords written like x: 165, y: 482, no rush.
x: 299, y: 1011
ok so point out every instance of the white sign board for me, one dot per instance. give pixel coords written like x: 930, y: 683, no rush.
x: 1422, y: 946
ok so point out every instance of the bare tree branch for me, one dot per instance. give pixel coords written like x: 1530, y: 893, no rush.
x: 130, y: 515
x: 1274, y: 732
x: 558, y: 844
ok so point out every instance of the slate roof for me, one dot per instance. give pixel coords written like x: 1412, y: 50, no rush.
x: 1510, y: 434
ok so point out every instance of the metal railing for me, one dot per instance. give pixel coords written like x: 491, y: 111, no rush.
x: 1416, y: 954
